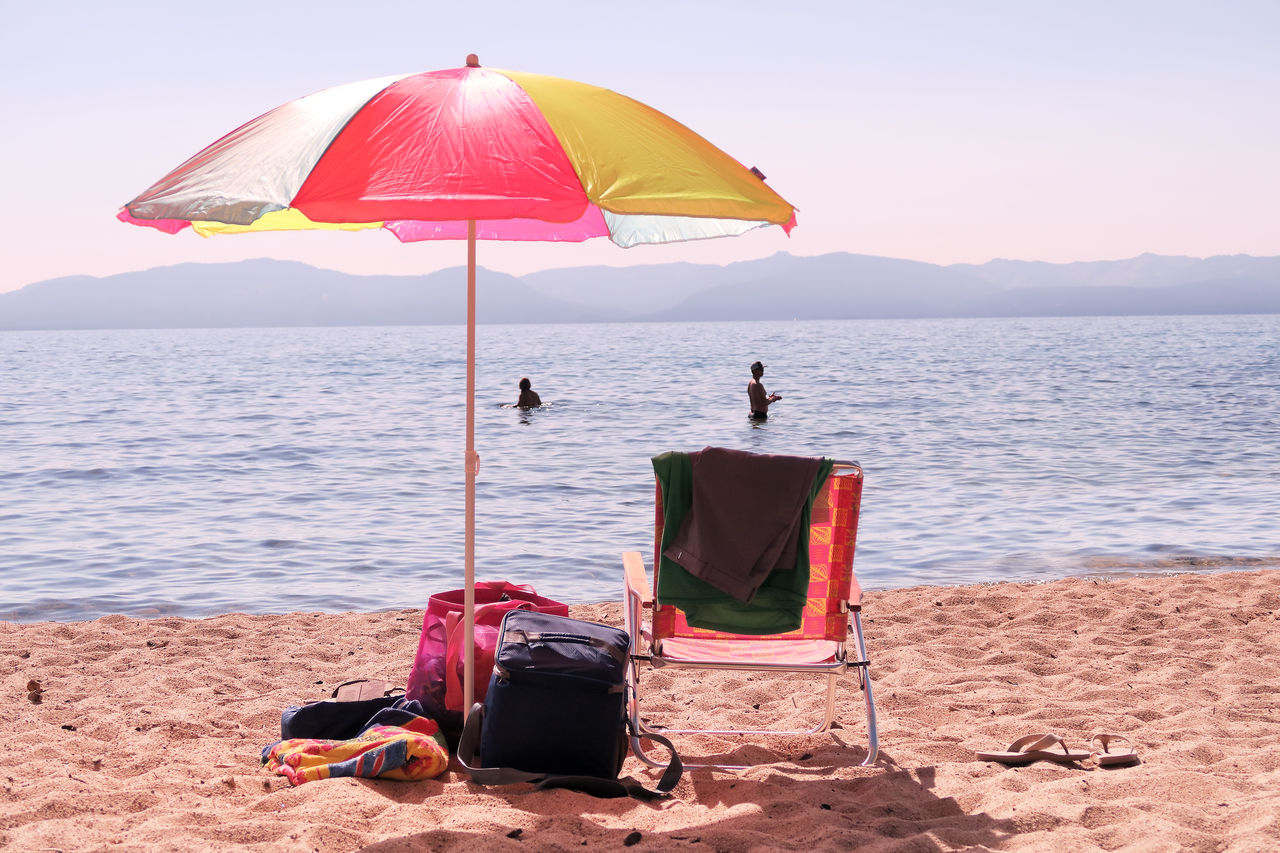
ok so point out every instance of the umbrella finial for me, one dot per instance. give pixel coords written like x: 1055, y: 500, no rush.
x: 473, y: 61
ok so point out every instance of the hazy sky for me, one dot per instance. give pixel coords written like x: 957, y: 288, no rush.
x: 938, y: 131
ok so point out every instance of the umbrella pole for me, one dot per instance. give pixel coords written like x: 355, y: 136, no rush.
x: 472, y: 464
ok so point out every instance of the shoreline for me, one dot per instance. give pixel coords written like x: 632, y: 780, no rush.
x: 1103, y: 572
x: 149, y: 731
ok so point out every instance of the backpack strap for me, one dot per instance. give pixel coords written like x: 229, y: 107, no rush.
x: 596, y: 786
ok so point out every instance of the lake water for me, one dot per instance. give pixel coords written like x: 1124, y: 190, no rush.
x: 193, y: 472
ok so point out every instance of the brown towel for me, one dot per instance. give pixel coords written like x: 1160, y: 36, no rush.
x: 745, y: 517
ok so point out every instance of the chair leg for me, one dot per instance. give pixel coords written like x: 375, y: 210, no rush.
x: 831, y: 704
x: 633, y: 715
x: 873, y: 737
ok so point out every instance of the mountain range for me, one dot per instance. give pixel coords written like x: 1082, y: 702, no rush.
x: 833, y: 286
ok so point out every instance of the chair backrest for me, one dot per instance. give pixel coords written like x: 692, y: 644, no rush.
x: 833, y: 533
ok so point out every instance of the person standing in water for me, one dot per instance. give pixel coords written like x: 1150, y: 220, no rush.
x: 529, y: 398
x: 759, y: 397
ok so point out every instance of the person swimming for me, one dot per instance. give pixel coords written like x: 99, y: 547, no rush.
x: 529, y: 398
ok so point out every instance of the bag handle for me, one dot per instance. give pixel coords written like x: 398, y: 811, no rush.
x: 469, y: 758
x: 453, y: 649
x: 505, y: 586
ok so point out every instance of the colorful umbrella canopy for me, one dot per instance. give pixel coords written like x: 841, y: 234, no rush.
x: 525, y: 156
x: 472, y: 153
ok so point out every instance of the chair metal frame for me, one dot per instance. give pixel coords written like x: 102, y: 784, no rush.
x: 645, y: 648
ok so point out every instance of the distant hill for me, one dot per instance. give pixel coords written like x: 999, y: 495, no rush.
x: 834, y: 286
x: 273, y: 293
x: 635, y: 290
x: 1145, y: 271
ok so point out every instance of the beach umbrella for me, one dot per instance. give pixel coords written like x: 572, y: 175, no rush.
x: 465, y: 153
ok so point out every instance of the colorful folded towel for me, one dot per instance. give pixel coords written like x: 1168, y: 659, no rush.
x: 414, y: 749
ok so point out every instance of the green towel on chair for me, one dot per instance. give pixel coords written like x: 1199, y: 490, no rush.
x: 778, y: 605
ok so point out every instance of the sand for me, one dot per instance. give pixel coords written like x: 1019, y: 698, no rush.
x: 149, y: 732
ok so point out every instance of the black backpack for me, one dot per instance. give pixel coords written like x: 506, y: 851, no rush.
x: 556, y: 710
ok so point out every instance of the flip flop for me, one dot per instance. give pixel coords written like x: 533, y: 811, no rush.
x: 1031, y: 748
x: 1108, y: 757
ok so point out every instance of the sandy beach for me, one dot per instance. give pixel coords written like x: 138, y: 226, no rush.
x: 148, y: 734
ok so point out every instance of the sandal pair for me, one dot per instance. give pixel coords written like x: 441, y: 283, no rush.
x: 1050, y: 747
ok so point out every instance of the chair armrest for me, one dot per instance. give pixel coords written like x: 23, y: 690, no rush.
x: 635, y: 578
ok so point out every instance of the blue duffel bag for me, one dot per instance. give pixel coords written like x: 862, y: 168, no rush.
x: 555, y: 713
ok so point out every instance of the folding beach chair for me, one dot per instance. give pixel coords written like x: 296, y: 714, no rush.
x: 661, y: 636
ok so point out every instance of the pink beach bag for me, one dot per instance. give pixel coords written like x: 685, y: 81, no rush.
x: 436, y: 677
